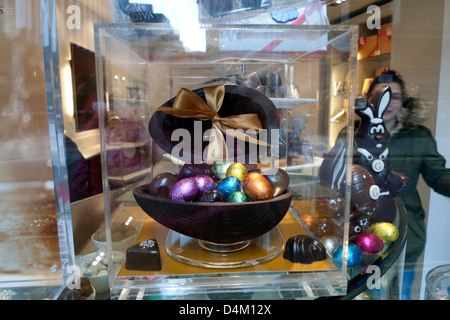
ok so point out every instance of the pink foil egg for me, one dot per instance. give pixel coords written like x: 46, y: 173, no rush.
x: 369, y: 243
x: 184, y: 190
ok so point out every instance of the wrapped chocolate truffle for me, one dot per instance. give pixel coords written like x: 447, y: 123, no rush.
x: 304, y: 249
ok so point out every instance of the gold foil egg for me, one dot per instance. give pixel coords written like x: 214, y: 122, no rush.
x: 237, y: 170
x: 257, y: 187
x: 385, y: 230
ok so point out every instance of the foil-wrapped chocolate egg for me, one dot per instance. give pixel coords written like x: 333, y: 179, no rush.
x: 228, y: 185
x: 354, y: 257
x: 279, y: 181
x: 385, y: 230
x: 238, y: 197
x: 257, y: 187
x: 369, y: 243
x: 219, y: 169
x: 161, y: 184
x: 237, y: 170
x: 204, y: 183
x: 184, y: 190
x: 308, y: 220
x: 331, y: 243
x: 212, y: 195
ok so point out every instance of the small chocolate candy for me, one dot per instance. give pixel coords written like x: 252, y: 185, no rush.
x: 304, y: 249
x: 143, y: 256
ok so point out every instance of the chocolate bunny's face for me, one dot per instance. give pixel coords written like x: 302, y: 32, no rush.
x: 372, y: 134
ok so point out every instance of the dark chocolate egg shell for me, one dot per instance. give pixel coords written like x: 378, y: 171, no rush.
x: 237, y: 100
x: 218, y: 222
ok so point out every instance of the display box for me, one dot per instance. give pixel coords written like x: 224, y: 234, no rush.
x: 206, y: 250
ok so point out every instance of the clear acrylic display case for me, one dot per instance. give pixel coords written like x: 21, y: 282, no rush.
x: 140, y: 67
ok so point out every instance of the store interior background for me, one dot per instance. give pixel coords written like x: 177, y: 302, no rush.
x: 420, y: 52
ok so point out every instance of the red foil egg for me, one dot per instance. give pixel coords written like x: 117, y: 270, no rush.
x: 257, y: 187
x: 369, y: 243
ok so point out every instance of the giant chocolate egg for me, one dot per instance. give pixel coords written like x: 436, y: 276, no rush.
x: 228, y: 186
x: 279, y: 181
x: 184, y: 190
x: 237, y: 170
x: 257, y: 187
x: 161, y: 184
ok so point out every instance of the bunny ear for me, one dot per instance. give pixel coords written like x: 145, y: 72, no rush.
x: 368, y: 111
x: 383, y: 103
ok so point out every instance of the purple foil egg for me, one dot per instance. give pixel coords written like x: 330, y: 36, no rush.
x: 204, y: 183
x: 369, y: 243
x: 184, y: 190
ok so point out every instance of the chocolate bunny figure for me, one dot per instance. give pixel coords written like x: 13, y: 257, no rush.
x: 371, y: 143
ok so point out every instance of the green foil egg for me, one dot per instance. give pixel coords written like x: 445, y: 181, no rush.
x: 238, y: 196
x: 219, y: 169
x: 385, y: 230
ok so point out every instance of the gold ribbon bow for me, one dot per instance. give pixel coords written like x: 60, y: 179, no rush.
x: 188, y: 104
